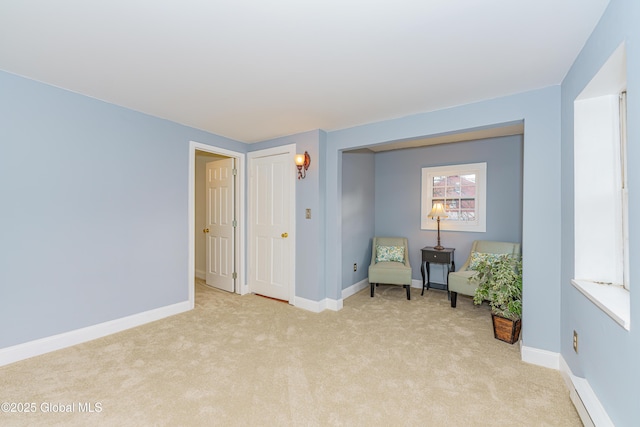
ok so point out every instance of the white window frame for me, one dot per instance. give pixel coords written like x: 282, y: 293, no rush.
x: 480, y: 222
x: 601, y: 263
x: 624, y: 189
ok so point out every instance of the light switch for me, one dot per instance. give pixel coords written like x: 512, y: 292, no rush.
x: 307, y: 214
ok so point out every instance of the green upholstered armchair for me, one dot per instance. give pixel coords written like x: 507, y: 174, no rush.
x: 459, y: 280
x: 390, y: 263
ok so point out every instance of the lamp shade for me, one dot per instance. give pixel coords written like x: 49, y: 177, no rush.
x: 299, y: 159
x: 437, y: 211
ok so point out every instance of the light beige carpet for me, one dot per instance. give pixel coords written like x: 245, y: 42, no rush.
x: 234, y: 360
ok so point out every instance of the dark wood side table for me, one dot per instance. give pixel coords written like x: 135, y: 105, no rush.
x: 432, y: 255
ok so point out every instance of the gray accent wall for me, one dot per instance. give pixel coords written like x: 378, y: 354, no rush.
x: 608, y: 356
x: 93, y: 210
x: 398, y: 195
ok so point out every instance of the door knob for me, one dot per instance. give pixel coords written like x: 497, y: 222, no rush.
x: 284, y: 235
x: 206, y: 230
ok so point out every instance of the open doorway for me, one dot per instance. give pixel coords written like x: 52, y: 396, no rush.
x: 199, y: 156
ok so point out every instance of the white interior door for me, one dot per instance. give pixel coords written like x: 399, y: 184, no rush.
x: 220, y: 228
x: 272, y: 226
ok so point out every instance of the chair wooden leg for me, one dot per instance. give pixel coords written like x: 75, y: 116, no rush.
x: 372, y: 288
x: 454, y: 299
x: 408, y: 291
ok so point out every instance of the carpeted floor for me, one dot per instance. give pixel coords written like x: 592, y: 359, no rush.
x: 234, y: 360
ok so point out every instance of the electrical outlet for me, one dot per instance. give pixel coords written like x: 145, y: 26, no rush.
x: 355, y: 266
x: 575, y: 341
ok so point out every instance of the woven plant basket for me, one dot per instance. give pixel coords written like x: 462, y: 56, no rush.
x: 506, y: 330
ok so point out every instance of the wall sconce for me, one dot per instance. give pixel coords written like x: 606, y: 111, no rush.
x: 302, y: 161
x: 437, y: 211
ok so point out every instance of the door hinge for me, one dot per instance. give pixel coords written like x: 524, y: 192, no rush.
x: 234, y: 171
x: 234, y: 276
x: 234, y: 223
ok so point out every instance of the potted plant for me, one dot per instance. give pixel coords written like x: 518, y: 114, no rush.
x: 500, y: 283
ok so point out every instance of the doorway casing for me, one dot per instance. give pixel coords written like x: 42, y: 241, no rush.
x: 194, y: 146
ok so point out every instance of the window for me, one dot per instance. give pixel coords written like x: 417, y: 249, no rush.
x: 601, y: 263
x: 600, y: 192
x: 624, y: 191
x: 462, y: 191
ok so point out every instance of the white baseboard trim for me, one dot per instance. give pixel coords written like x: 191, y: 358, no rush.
x: 67, y: 339
x: 591, y: 411
x: 333, y: 304
x: 201, y: 274
x: 318, y: 306
x: 355, y: 288
x: 536, y: 356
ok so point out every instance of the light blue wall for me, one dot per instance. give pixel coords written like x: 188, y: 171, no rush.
x: 540, y: 111
x: 398, y: 195
x: 358, y: 215
x: 101, y: 169
x: 609, y: 356
x: 93, y: 210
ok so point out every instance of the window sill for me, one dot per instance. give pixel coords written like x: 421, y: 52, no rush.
x: 613, y: 300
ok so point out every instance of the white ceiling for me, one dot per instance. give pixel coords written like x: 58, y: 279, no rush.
x: 255, y: 69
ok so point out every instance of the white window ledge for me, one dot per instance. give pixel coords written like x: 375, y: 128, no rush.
x: 613, y: 300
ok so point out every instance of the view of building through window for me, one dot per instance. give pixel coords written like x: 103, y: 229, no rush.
x: 457, y: 193
x: 462, y: 191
